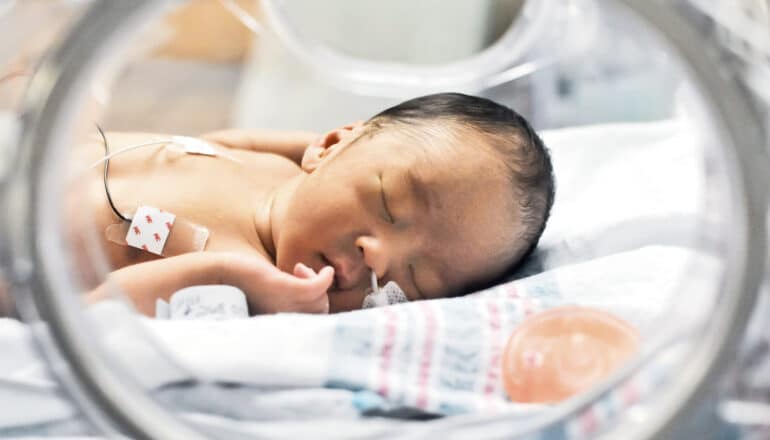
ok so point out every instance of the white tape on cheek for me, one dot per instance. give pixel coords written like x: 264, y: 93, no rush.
x: 374, y: 299
x: 389, y: 294
x: 394, y: 293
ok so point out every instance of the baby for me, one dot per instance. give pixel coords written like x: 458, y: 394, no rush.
x: 443, y: 194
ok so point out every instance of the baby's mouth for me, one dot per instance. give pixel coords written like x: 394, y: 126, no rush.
x: 340, y: 282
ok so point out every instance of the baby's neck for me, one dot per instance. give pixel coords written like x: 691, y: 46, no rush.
x: 269, y: 214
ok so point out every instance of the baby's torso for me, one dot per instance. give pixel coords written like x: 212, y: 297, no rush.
x: 217, y: 193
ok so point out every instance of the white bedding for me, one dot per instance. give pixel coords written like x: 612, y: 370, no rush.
x: 621, y: 247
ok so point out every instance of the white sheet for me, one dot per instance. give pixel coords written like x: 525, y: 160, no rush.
x: 621, y: 247
x: 620, y: 187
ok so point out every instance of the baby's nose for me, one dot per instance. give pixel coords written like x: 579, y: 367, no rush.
x: 374, y: 254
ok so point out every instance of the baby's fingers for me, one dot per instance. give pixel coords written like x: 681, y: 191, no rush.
x: 310, y: 289
x: 322, y: 306
x: 323, y: 280
x: 306, y: 279
x: 302, y: 271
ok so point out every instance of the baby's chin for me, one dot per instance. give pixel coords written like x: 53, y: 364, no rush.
x: 345, y: 300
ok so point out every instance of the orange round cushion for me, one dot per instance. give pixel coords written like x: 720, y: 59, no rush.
x: 558, y: 353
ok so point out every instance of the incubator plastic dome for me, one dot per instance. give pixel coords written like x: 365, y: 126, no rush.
x: 658, y: 222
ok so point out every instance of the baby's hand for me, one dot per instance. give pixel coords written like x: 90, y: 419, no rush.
x: 269, y: 290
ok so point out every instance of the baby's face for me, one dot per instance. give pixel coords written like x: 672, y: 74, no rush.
x: 432, y: 219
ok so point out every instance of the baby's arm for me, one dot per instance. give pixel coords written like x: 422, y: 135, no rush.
x: 145, y: 282
x: 289, y: 144
x: 267, y: 289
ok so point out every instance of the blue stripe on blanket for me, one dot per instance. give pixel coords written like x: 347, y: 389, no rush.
x: 440, y: 356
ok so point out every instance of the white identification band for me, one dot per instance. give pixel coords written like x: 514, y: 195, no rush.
x: 150, y: 229
x: 204, y: 302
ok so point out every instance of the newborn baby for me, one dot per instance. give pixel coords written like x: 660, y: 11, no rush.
x: 443, y: 194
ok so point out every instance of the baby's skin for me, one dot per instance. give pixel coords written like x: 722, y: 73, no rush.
x: 298, y: 221
x: 226, y: 194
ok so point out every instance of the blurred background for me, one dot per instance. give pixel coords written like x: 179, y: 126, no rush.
x: 201, y: 69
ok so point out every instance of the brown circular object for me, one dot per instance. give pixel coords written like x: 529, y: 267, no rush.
x: 558, y: 353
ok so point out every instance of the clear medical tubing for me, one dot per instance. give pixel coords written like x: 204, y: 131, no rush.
x: 45, y: 291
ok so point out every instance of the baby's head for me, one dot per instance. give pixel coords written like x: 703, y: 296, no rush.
x: 443, y: 194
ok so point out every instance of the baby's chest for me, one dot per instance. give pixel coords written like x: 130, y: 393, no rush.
x: 202, y: 192
x: 218, y: 198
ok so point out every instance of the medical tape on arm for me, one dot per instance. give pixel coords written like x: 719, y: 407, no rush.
x: 158, y: 232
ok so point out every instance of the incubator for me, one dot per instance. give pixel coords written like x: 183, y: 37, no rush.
x: 642, y: 313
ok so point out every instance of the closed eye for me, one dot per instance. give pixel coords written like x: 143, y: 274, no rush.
x: 388, y: 215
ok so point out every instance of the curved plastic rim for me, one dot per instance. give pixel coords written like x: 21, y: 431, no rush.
x: 58, y: 87
x: 103, y: 390
x: 394, y: 78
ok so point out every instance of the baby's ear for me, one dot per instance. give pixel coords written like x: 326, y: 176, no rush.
x: 326, y: 144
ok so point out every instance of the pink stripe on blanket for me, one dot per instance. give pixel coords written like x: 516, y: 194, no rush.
x: 511, y: 291
x: 386, y: 353
x: 589, y: 421
x: 495, y: 350
x: 528, y: 305
x: 423, y: 376
x: 630, y: 392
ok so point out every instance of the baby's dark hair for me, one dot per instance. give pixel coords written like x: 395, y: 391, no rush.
x: 523, y: 153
